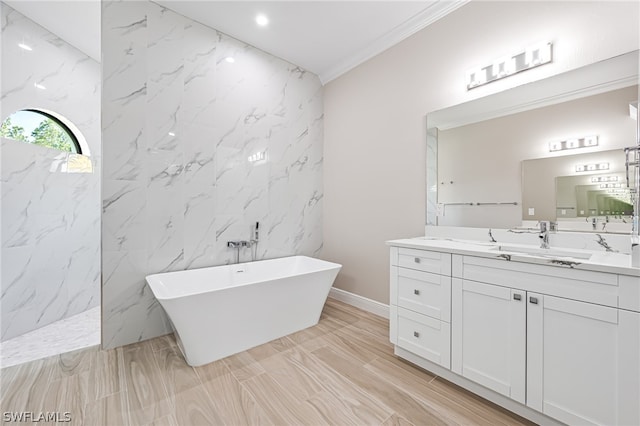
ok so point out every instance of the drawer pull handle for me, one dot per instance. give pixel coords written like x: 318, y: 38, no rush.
x: 416, y: 259
x: 533, y: 300
x: 416, y: 334
x: 416, y: 291
x: 517, y: 297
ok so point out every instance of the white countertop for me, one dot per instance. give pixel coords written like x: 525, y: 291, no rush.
x: 601, y: 261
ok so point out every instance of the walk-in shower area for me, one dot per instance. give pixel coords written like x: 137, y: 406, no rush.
x: 50, y: 193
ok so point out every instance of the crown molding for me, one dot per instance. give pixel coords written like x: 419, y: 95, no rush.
x: 428, y: 16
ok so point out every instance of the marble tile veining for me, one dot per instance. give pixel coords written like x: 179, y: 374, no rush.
x: 196, y: 150
x: 50, y: 219
x: 618, y: 243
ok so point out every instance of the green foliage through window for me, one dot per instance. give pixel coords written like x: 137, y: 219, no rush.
x: 12, y: 131
x: 39, y: 128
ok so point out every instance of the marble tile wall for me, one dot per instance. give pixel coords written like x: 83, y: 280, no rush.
x: 49, y: 211
x: 181, y: 127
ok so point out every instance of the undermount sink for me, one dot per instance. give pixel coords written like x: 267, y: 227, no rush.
x: 550, y: 252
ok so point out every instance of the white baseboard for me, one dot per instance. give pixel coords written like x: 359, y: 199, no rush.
x: 361, y: 302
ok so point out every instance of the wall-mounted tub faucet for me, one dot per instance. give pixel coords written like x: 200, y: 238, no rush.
x: 236, y: 245
x: 244, y: 243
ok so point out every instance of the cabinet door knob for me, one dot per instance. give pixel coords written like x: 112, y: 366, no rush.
x: 416, y: 259
x: 533, y: 300
x: 517, y: 297
x: 416, y: 334
x: 416, y: 291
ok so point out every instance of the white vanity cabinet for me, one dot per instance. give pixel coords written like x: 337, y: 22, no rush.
x: 555, y: 340
x: 583, y: 361
x: 489, y: 336
x: 420, y: 308
x: 574, y: 361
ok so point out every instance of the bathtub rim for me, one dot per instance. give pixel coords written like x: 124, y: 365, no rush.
x: 155, y: 279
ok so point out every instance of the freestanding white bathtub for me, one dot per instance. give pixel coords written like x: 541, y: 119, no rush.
x: 223, y: 310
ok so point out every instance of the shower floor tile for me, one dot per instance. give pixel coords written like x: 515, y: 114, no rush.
x: 76, y: 332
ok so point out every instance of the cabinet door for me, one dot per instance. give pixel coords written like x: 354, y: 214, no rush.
x: 583, y: 361
x: 489, y: 336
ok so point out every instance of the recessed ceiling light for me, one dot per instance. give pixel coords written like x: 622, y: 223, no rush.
x: 262, y: 20
x: 230, y: 59
x: 39, y: 86
x: 25, y: 47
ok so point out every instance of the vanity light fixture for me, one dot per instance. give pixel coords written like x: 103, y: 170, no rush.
x: 584, y: 142
x: 592, y: 167
x: 597, y: 179
x: 25, y: 47
x: 522, y: 60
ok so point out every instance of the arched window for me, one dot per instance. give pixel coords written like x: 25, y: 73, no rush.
x: 40, y: 128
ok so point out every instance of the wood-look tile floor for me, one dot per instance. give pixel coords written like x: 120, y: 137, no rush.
x: 339, y: 372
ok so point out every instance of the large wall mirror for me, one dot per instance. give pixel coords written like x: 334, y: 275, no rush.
x: 495, y: 161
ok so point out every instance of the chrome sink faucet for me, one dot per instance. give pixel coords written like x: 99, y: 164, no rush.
x: 544, y: 235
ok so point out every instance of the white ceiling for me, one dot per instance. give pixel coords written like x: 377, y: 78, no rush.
x: 326, y: 37
x: 75, y: 21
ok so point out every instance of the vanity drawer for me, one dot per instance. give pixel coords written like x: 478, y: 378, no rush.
x: 422, y: 292
x: 569, y: 283
x: 423, y: 260
x: 424, y: 336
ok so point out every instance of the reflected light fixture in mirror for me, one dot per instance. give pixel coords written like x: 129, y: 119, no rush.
x: 592, y: 167
x: 258, y: 156
x: 604, y: 179
x: 525, y: 59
